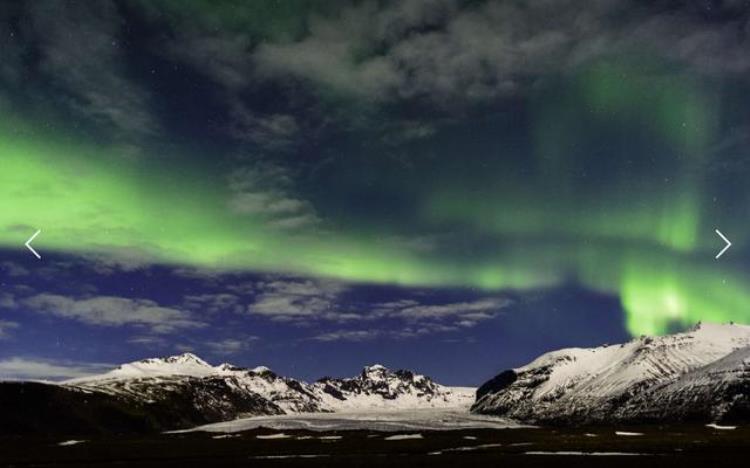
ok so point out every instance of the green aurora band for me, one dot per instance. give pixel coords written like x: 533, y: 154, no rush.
x: 637, y: 237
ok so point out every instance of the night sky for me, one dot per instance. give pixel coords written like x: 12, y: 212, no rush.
x: 444, y: 185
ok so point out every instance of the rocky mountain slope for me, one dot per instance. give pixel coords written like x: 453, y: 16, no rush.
x: 699, y: 375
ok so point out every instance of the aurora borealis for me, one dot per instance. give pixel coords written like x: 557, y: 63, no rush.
x: 415, y: 170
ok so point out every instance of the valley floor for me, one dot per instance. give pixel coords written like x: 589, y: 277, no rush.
x: 682, y: 446
x: 423, y: 419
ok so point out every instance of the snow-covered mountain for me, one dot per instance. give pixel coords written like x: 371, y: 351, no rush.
x: 184, y: 391
x: 376, y: 387
x: 701, y: 374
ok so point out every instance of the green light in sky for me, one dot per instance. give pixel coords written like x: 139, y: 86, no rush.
x: 637, y: 235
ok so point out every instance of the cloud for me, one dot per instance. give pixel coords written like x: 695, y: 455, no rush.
x: 458, y: 314
x: 442, y: 50
x: 231, y: 345
x: 7, y: 301
x: 264, y: 191
x: 6, y: 325
x: 348, y: 335
x: 460, y: 309
x: 398, y: 333
x: 214, y: 303
x: 13, y: 50
x: 223, y: 57
x: 110, y: 311
x: 275, y: 131
x: 297, y: 299
x: 21, y: 368
x: 184, y: 348
x: 13, y: 270
x: 309, y: 300
x: 78, y: 47
x: 148, y: 341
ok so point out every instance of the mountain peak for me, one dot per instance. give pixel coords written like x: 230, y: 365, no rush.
x: 180, y: 364
x: 375, y: 372
x: 261, y: 370
x: 185, y: 358
x: 376, y: 368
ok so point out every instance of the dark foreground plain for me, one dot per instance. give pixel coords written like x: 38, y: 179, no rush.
x: 678, y: 446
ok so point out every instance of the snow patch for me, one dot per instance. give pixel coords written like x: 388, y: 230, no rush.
x: 68, y: 443
x: 278, y: 436
x: 721, y: 428
x: 425, y: 419
x: 468, y: 448
x: 404, y: 437
x: 586, y: 454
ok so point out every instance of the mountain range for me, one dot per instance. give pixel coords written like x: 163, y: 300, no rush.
x: 701, y: 375
x: 183, y: 391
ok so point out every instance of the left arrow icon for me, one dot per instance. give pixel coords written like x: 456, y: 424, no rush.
x: 28, y: 244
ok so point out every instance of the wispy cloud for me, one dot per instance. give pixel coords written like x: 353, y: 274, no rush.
x: 443, y: 51
x: 7, y: 301
x: 22, y: 368
x: 348, y: 335
x: 395, y: 333
x: 275, y: 131
x: 229, y: 346
x: 111, y: 311
x: 148, y: 341
x: 297, y: 299
x: 79, y: 49
x: 477, y: 309
x: 5, y: 326
x: 458, y: 314
x: 265, y: 191
x: 13, y: 270
x: 214, y: 303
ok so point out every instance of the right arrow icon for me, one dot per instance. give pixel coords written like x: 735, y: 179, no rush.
x: 724, y: 238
